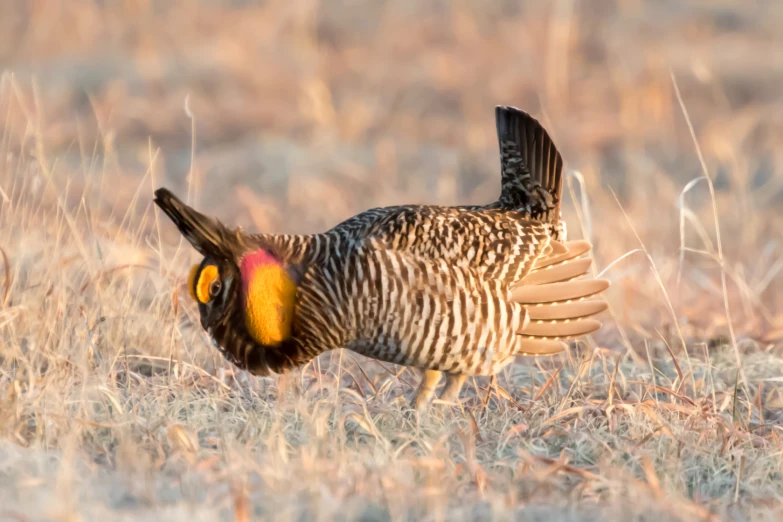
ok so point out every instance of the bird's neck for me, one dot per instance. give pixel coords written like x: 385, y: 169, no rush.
x: 268, y: 298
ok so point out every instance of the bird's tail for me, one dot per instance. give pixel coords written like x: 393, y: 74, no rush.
x: 557, y: 301
x: 207, y: 235
x: 531, y: 166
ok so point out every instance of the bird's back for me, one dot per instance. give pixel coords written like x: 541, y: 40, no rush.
x: 430, y: 286
x: 531, y: 192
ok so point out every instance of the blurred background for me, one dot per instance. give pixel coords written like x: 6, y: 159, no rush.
x: 292, y: 115
x: 289, y: 116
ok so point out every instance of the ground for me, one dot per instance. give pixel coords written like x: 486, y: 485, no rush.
x: 289, y: 116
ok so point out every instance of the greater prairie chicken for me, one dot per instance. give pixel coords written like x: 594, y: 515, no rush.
x: 455, y: 290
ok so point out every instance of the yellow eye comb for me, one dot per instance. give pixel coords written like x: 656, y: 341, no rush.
x: 199, y: 291
x: 192, y: 281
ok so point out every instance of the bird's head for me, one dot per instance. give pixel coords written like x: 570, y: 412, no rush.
x: 245, y: 290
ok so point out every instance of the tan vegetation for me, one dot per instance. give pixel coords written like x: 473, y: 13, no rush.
x: 289, y: 116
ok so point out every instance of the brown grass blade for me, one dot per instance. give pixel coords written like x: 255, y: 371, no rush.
x: 7, y: 270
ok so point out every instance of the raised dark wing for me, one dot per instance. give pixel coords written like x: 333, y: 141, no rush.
x: 531, y: 166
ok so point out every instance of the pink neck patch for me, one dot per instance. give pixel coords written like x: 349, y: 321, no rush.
x: 253, y: 260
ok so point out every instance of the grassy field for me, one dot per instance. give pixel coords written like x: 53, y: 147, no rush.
x: 289, y: 116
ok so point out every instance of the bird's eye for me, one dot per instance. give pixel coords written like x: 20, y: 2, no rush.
x: 214, y: 288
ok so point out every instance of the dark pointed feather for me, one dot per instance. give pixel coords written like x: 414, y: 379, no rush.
x: 531, y: 166
x: 207, y: 235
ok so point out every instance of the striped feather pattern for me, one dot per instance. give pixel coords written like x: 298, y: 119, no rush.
x: 459, y: 289
x: 436, y: 313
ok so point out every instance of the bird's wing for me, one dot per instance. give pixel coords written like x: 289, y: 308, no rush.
x: 431, y: 313
x: 487, y: 244
x: 531, y: 166
x: 424, y: 312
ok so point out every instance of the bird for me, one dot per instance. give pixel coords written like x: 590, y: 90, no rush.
x: 452, y: 290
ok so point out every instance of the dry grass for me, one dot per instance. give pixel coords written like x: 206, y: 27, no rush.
x: 292, y: 115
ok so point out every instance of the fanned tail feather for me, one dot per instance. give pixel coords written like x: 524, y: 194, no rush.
x: 562, y: 253
x: 559, y: 272
x: 561, y: 329
x: 556, y: 299
x: 566, y: 311
x: 558, y: 292
x: 540, y: 347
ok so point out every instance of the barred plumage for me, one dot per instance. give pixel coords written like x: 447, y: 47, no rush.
x: 460, y: 290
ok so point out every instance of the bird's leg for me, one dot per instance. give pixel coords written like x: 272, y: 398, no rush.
x: 427, y: 388
x: 454, y: 382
